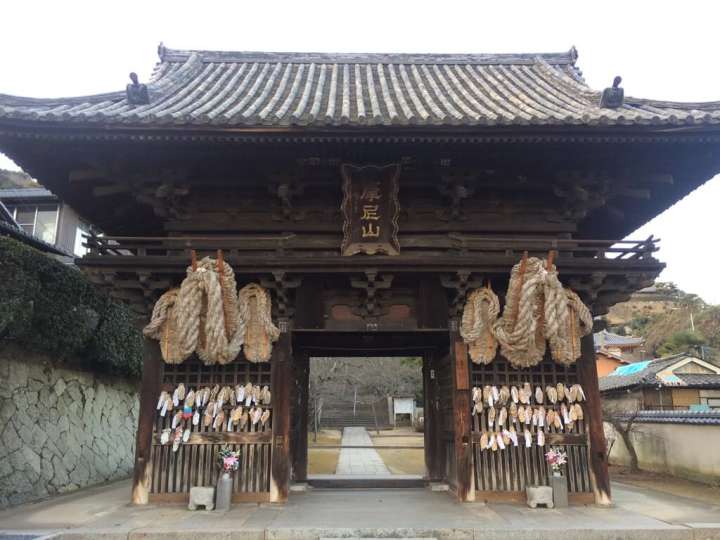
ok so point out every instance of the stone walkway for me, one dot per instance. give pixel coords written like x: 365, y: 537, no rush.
x: 359, y: 461
x: 103, y: 513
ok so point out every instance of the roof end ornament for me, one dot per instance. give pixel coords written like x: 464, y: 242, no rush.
x: 161, y: 50
x: 613, y: 97
x: 136, y: 93
x: 573, y: 52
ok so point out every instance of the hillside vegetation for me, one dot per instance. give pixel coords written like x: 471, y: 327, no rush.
x: 16, y: 179
x: 670, y: 320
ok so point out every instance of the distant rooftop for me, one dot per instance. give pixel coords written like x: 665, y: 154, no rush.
x: 606, y: 339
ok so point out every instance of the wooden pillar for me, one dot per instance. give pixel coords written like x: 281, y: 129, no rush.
x: 428, y: 373
x: 299, y: 437
x: 462, y: 417
x: 433, y: 432
x: 282, y: 381
x: 587, y: 376
x: 149, y: 392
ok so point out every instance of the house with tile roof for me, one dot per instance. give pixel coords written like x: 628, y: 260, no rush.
x: 613, y: 350
x: 675, y: 383
x: 674, y: 405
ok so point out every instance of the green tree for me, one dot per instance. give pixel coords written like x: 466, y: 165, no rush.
x: 682, y: 341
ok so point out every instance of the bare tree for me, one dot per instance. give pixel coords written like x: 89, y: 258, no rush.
x: 365, y: 380
x: 623, y: 420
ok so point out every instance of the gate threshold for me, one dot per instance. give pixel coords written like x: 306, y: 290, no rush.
x: 356, y: 481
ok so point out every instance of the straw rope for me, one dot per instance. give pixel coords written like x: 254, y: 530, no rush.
x: 516, y: 331
x: 206, y: 316
x: 538, y: 311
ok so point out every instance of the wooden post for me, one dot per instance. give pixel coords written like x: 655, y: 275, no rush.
x: 281, y: 375
x: 433, y: 435
x: 299, y: 438
x: 587, y: 376
x: 462, y: 417
x: 149, y: 392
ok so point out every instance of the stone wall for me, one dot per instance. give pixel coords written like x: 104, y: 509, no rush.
x: 61, y: 428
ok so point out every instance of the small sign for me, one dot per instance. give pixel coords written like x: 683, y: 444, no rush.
x: 370, y: 209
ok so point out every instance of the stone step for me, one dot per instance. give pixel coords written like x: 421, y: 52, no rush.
x: 331, y: 481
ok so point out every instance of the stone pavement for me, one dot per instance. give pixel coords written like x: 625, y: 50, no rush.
x: 103, y: 512
x: 359, y: 461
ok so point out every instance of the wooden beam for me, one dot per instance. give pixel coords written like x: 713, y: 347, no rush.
x: 149, y: 391
x: 432, y: 304
x: 224, y: 437
x: 552, y: 439
x: 587, y: 376
x: 84, y: 175
x: 462, y: 420
x: 299, y: 438
x: 281, y: 381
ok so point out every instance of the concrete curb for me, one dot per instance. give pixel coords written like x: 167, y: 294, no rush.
x: 291, y: 533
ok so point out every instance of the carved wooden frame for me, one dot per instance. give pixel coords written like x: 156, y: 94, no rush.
x: 350, y: 247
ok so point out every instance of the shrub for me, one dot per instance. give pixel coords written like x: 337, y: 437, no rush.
x: 52, y: 308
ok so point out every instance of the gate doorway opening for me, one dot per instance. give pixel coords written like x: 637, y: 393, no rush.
x: 366, y: 419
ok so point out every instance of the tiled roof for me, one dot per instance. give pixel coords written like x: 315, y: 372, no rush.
x: 649, y: 377
x: 677, y: 417
x: 613, y: 355
x: 700, y: 380
x: 252, y: 89
x: 608, y: 339
x: 26, y: 193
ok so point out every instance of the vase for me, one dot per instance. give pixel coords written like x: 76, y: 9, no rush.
x: 223, y: 492
x: 560, y: 489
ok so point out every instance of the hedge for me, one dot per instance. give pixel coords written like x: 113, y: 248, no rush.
x: 49, y: 307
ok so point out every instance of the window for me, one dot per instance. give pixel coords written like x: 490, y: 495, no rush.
x: 38, y: 220
x: 79, y: 250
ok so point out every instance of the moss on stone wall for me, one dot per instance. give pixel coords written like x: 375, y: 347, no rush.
x: 52, y: 308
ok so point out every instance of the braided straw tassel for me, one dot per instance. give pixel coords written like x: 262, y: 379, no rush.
x: 163, y: 327
x: 479, y: 314
x: 255, y: 322
x: 565, y: 347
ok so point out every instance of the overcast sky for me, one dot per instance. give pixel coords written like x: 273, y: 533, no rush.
x: 662, y: 49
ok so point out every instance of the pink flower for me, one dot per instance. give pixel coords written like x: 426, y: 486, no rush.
x: 229, y: 462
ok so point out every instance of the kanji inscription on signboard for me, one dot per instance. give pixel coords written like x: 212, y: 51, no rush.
x: 370, y: 209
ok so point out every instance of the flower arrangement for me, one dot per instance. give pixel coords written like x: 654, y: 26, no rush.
x: 556, y: 459
x: 229, y: 459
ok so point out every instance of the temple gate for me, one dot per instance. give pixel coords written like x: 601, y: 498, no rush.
x: 369, y: 195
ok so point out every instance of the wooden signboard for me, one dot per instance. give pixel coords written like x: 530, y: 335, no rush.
x: 370, y: 209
